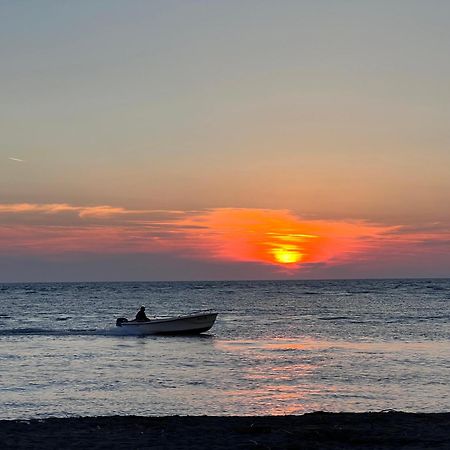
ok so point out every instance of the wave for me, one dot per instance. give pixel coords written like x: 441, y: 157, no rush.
x: 335, y: 318
x: 401, y: 319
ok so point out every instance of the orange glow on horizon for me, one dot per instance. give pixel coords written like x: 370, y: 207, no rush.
x: 236, y: 235
x: 278, y: 237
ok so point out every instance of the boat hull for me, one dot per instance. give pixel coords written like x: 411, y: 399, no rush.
x: 189, y: 324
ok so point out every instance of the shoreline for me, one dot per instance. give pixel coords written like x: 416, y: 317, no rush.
x: 317, y: 430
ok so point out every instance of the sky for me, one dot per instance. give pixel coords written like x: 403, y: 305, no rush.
x: 203, y: 140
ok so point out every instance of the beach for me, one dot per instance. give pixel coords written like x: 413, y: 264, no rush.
x: 319, y: 430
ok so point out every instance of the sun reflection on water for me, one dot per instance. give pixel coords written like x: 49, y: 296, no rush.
x: 278, y: 379
x: 295, y: 376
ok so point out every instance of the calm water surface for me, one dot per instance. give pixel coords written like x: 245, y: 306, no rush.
x: 284, y: 347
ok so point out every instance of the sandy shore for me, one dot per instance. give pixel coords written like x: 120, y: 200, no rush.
x: 389, y: 430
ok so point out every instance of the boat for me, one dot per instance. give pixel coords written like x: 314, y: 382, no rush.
x: 194, y: 323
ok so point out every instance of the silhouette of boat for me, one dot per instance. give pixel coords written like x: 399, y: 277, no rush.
x: 194, y: 323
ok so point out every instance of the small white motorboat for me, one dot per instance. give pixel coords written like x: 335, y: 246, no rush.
x: 188, y: 324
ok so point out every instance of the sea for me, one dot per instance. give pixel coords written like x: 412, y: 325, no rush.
x: 277, y: 347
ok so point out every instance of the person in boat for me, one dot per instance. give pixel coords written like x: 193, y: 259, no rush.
x: 140, y: 316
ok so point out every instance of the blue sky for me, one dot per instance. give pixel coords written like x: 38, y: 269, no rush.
x: 333, y: 111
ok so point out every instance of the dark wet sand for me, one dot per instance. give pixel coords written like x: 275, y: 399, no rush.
x: 385, y: 430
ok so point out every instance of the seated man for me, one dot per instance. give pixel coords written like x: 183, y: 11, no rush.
x: 140, y: 316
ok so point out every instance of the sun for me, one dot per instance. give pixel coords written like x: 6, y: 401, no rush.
x: 287, y: 255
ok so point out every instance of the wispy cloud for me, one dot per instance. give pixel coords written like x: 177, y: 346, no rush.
x: 81, y: 211
x: 16, y: 159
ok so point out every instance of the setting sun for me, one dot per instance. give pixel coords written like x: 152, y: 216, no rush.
x: 287, y: 254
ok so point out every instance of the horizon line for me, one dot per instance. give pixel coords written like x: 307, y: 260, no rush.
x: 231, y: 280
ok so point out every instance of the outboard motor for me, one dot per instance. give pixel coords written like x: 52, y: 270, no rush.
x: 120, y: 321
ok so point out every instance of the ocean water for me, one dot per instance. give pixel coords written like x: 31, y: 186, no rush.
x: 278, y: 347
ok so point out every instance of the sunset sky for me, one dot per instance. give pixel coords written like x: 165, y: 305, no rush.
x: 183, y: 140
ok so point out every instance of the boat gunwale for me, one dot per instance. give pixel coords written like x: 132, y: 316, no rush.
x: 168, y: 319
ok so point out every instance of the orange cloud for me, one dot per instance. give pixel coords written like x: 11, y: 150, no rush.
x: 273, y: 237
x: 278, y: 237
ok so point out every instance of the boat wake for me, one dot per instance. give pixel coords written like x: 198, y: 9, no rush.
x: 107, y: 332
x: 55, y: 332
